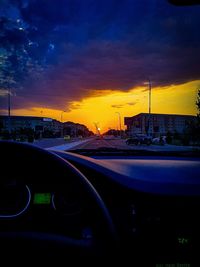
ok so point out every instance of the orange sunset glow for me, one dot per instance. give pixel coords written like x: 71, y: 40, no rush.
x: 89, y: 62
x: 174, y: 99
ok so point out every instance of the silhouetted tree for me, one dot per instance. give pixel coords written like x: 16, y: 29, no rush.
x: 198, y: 105
x: 192, y: 131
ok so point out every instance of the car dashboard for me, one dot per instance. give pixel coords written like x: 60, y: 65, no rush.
x: 148, y: 204
x: 154, y: 203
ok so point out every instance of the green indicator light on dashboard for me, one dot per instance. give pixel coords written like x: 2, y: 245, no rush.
x: 183, y: 241
x: 42, y: 198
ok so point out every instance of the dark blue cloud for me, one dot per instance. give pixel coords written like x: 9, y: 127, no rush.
x: 77, y: 46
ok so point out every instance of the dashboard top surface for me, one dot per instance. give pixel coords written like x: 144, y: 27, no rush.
x: 159, y: 175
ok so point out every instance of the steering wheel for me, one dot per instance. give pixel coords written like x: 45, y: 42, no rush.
x: 28, y: 164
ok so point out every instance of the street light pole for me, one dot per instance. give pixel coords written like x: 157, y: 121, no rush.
x: 120, y: 128
x: 9, y: 121
x: 149, y: 97
x: 149, y: 107
x: 97, y: 129
x: 61, y: 119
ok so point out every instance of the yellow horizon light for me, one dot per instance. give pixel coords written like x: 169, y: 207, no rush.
x: 173, y: 99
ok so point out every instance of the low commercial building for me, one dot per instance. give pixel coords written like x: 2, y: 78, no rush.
x: 38, y: 124
x: 157, y: 124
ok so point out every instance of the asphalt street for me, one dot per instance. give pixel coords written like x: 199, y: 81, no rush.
x: 98, y: 143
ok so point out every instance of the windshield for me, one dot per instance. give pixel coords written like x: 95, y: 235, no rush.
x: 99, y: 74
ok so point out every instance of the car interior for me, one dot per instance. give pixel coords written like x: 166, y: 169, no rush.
x: 141, y: 209
x: 102, y: 206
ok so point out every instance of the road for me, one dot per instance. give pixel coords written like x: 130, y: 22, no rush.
x: 121, y: 144
x: 101, y: 143
x: 54, y: 142
x: 48, y: 142
x: 94, y: 143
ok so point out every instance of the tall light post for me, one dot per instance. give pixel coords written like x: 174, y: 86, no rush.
x: 97, y: 128
x: 61, y: 119
x: 149, y: 82
x: 61, y: 116
x: 9, y: 119
x: 120, y: 127
x: 149, y: 121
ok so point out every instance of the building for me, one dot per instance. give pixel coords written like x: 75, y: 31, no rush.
x: 157, y: 124
x: 38, y: 124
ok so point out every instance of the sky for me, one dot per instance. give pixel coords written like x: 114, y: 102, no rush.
x: 90, y: 61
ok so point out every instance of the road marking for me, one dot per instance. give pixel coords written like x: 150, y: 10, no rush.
x: 68, y: 146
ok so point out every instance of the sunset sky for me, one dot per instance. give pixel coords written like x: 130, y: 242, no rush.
x: 93, y: 58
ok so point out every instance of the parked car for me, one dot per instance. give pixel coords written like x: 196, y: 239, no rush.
x: 67, y: 137
x: 139, y: 140
x: 159, y: 140
x: 108, y: 137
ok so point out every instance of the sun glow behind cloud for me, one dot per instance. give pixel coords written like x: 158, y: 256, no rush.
x: 69, y: 54
x: 101, y: 109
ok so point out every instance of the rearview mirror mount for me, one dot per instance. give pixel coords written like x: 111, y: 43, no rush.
x: 184, y: 2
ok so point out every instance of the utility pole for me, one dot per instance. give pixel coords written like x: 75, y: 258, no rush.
x: 97, y: 128
x: 61, y: 119
x: 149, y: 97
x: 149, y: 107
x: 120, y: 127
x: 9, y: 119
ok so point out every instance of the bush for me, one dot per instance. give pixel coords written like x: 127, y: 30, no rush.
x: 185, y: 140
x: 30, y: 138
x: 169, y: 138
x: 176, y: 142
